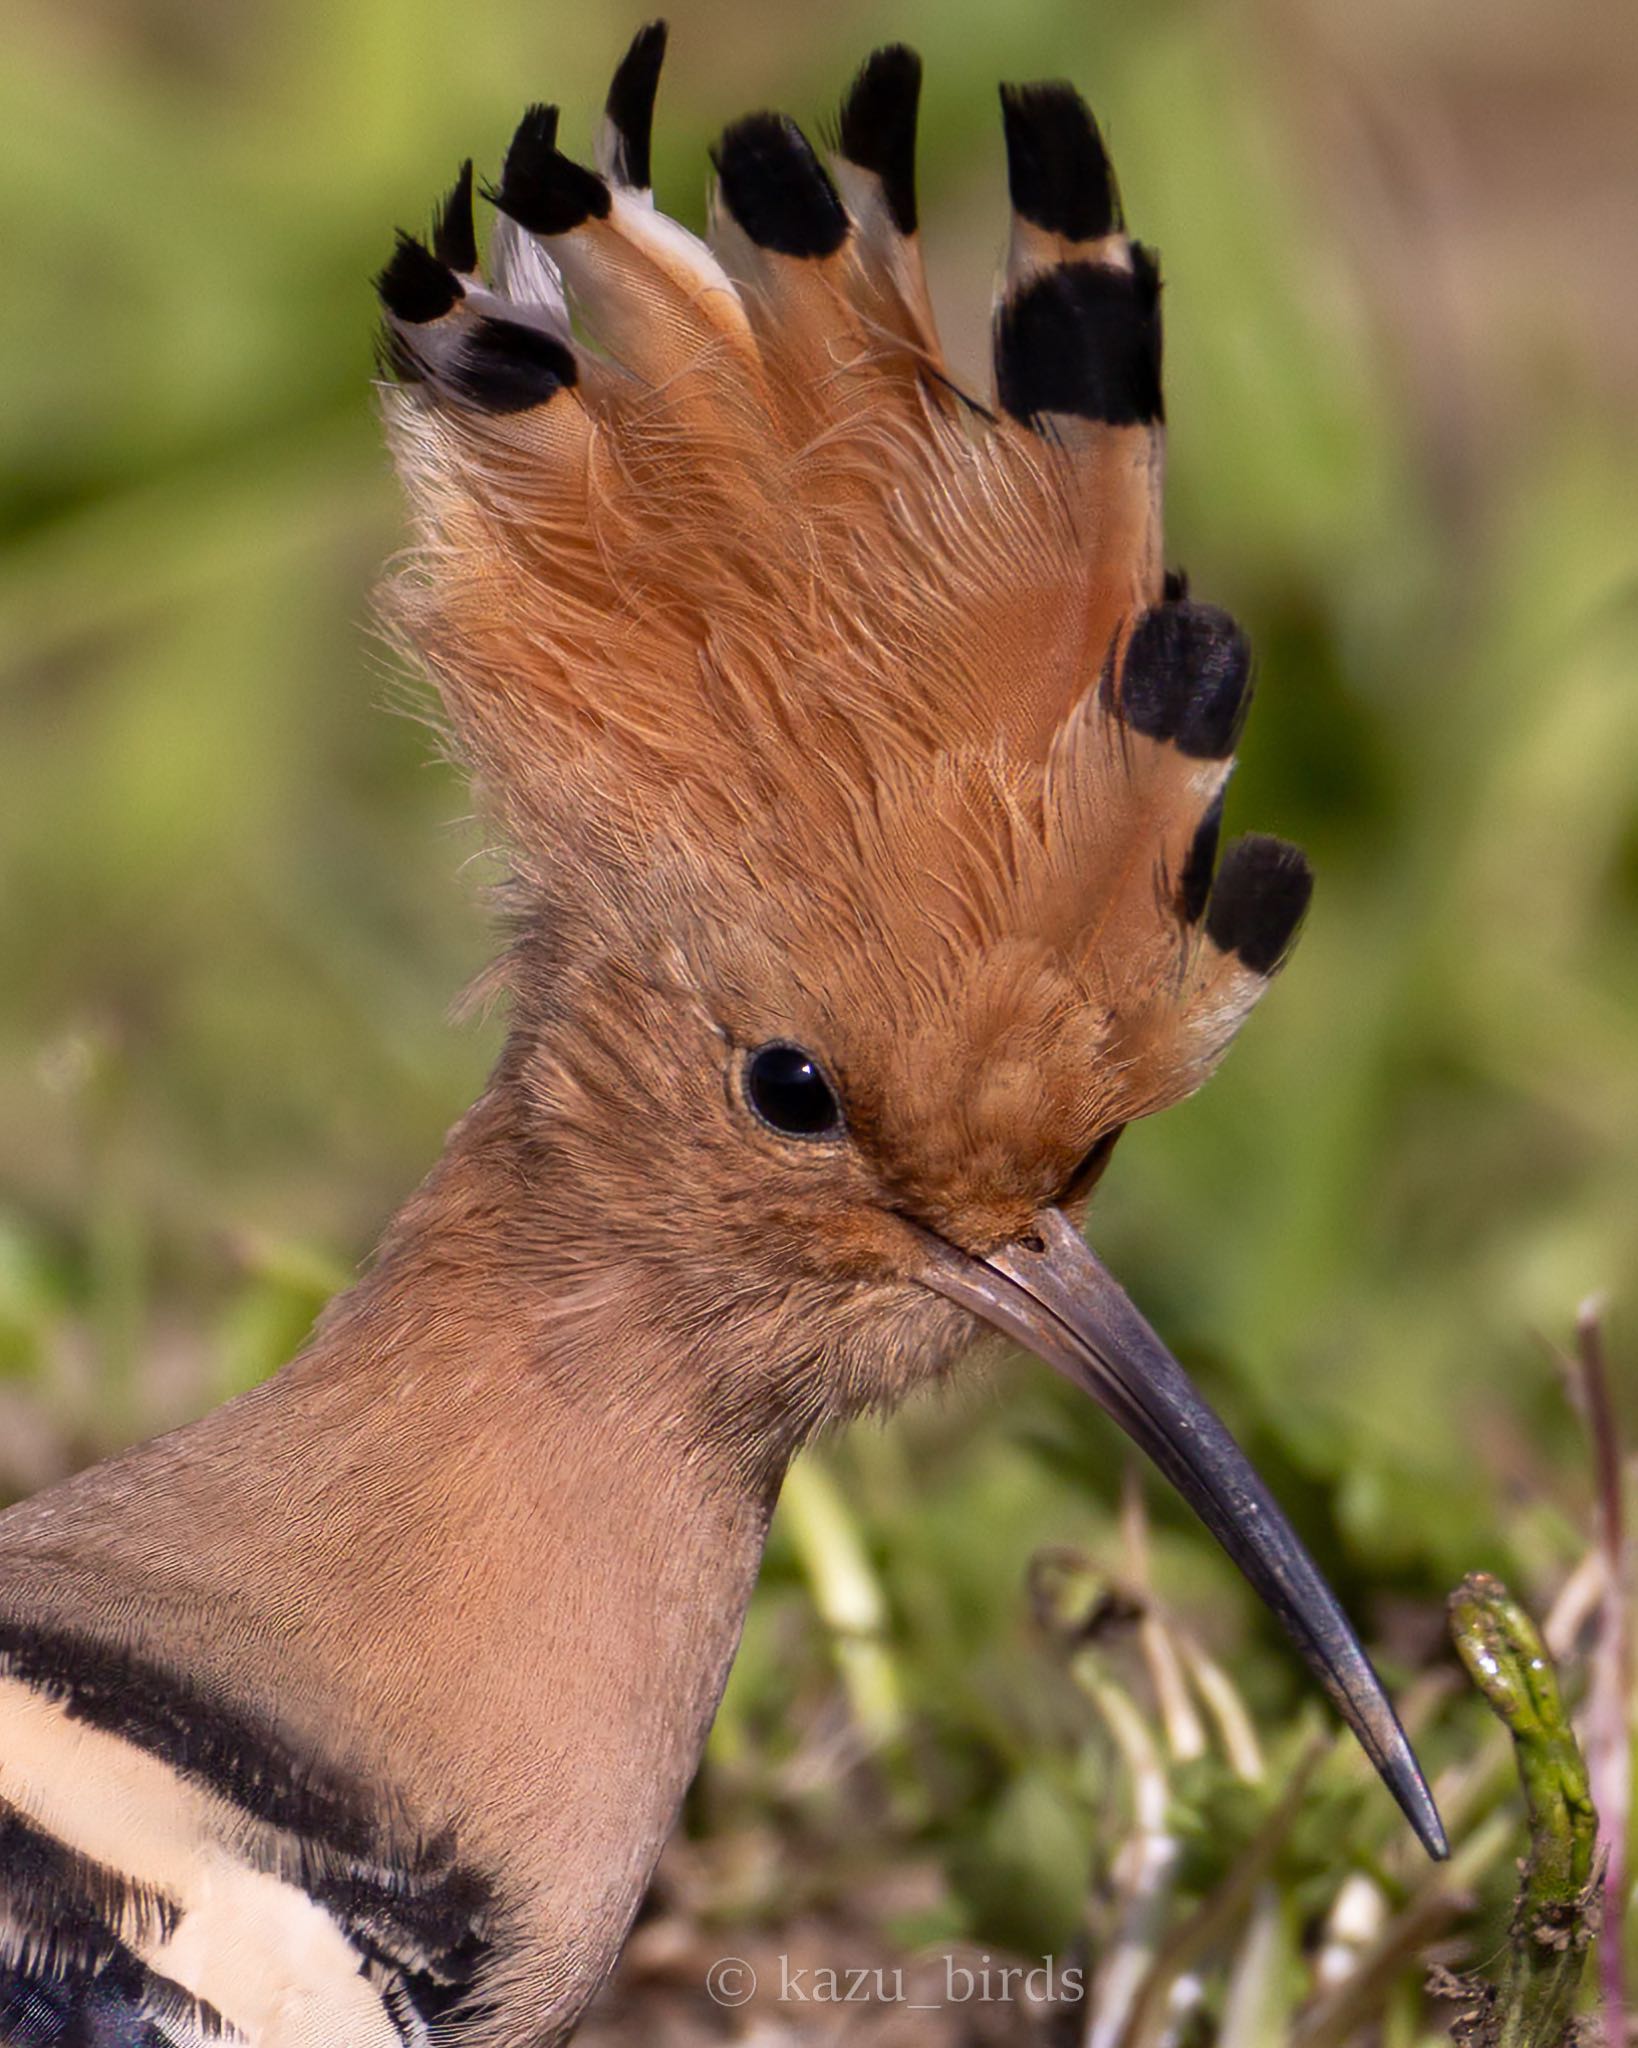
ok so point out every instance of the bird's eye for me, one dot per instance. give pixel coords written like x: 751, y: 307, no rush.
x: 788, y: 1090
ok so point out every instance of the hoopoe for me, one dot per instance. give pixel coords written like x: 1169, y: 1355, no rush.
x: 861, y: 771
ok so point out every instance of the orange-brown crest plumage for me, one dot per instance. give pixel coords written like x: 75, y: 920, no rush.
x: 868, y: 700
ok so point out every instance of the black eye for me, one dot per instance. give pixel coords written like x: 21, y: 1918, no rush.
x: 788, y: 1090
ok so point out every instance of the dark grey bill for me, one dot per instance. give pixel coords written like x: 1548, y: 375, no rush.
x: 1051, y: 1293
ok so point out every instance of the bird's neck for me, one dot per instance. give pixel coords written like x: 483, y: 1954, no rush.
x: 476, y: 1547
x: 580, y: 1542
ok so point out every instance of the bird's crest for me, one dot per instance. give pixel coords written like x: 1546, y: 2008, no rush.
x: 719, y: 573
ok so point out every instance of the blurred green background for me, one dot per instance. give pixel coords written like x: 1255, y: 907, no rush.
x: 237, y: 902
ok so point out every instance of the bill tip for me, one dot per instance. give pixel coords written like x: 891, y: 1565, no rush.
x: 1430, y: 1832
x: 1410, y: 1789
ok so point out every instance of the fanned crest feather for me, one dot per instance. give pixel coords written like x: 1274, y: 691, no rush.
x: 732, y: 600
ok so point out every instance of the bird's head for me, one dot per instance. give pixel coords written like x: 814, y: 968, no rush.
x: 860, y: 768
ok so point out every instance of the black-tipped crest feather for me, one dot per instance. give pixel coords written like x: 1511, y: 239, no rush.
x: 1058, y: 171
x: 1187, y: 679
x: 878, y: 127
x: 536, y: 133
x: 542, y: 189
x: 1259, y: 899
x: 777, y: 189
x: 415, y: 286
x: 455, y: 233
x: 1083, y: 339
x: 629, y: 108
x: 503, y: 366
x: 1194, y: 884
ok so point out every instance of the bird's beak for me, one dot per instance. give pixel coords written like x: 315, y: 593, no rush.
x: 1049, y: 1292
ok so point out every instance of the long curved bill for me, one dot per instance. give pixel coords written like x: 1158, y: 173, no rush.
x: 1053, y: 1295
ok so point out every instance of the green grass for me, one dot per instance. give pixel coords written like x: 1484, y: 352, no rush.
x: 236, y: 901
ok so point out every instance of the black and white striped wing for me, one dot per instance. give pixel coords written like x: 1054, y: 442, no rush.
x: 171, y: 1875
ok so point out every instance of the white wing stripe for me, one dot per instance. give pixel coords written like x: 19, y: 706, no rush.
x: 271, y: 1961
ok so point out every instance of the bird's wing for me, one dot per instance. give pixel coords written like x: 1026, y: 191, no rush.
x: 170, y: 1876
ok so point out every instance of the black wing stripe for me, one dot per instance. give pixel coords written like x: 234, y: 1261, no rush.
x: 48, y: 2000
x: 50, y: 1895
x: 201, y: 1736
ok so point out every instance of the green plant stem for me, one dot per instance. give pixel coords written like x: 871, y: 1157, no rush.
x: 1505, y: 1656
x: 849, y: 1597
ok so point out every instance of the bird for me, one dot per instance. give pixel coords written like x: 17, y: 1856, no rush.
x: 859, y: 768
